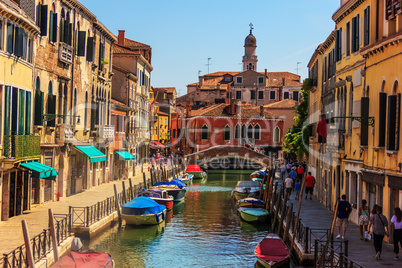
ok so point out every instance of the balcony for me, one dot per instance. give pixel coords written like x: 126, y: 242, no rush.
x: 105, y: 132
x: 64, y: 134
x: 21, y: 146
x: 393, y: 8
x: 65, y: 53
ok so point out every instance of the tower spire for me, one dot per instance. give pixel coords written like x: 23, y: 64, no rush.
x: 251, y: 27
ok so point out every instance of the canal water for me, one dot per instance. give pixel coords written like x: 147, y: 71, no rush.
x: 202, y: 231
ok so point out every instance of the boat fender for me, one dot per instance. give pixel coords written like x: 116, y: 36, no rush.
x: 157, y: 217
x: 163, y: 216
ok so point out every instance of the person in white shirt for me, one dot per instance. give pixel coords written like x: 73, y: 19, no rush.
x: 288, y: 185
x: 396, y: 222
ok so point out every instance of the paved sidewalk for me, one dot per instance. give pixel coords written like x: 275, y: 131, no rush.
x: 37, y: 218
x: 316, y: 215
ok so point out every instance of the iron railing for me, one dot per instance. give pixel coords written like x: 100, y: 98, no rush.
x: 336, y: 255
x: 21, y: 146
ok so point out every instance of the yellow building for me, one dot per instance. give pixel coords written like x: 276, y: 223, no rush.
x: 18, y: 32
x: 365, y: 161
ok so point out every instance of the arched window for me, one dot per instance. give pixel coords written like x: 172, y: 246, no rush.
x: 204, y: 132
x: 226, y: 133
x: 277, y: 135
x: 53, y: 25
x: 243, y: 132
x: 250, y: 132
x: 38, y: 104
x: 51, y: 105
x: 257, y: 131
x: 237, y: 132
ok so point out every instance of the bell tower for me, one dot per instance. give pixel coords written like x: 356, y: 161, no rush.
x: 250, y: 47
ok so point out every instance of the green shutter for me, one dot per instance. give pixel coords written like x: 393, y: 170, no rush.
x: 28, y: 114
x: 62, y: 30
x: 7, y: 110
x: 51, y: 26
x: 66, y: 31
x: 38, y: 108
x: 54, y: 33
x: 364, y: 129
x: 81, y: 43
x: 391, y: 122
x: 21, y: 114
x: 382, y: 124
x: 19, y: 42
x: 398, y: 121
x: 90, y: 48
x: 10, y: 38
x: 14, y: 111
x: 43, y: 20
x: 51, y: 109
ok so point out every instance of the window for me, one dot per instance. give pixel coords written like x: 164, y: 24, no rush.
x: 204, y: 132
x: 227, y: 79
x: 252, y: 94
x: 355, y: 33
x: 66, y: 28
x: 237, y: 132
x: 348, y: 39
x: 243, y: 132
x: 272, y: 95
x: 86, y: 111
x: 239, y: 80
x: 16, y: 40
x: 286, y: 95
x: 250, y: 132
x: 90, y: 48
x: 364, y: 128
x: 383, y: 121
x: 174, y: 133
x: 260, y: 95
x: 238, y: 95
x: 41, y: 19
x: 338, y: 45
x: 226, y: 133
x: 296, y: 95
x: 394, y: 111
x: 260, y: 80
x: 38, y: 104
x: 51, y: 105
x: 367, y: 26
x: 1, y: 35
x: 257, y: 132
x: 53, y: 26
x: 277, y: 135
x: 81, y: 43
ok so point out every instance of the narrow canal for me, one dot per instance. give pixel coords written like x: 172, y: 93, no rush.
x: 202, y: 231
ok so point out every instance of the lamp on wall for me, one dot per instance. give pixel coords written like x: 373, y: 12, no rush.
x: 50, y: 117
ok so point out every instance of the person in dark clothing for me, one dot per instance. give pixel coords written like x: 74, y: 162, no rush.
x: 396, y: 222
x: 380, y: 229
x: 342, y: 219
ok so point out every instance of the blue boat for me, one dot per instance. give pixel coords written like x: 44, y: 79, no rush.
x: 175, y: 187
x: 143, y: 211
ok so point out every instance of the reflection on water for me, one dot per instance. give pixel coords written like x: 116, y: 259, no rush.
x: 204, y: 230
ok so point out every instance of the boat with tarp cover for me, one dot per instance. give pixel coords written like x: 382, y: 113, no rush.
x: 143, y: 210
x: 251, y: 203
x: 272, y: 252
x: 197, y: 171
x: 253, y: 214
x: 175, y: 187
x: 244, y: 188
x: 161, y: 197
x: 85, y: 259
x: 186, y: 178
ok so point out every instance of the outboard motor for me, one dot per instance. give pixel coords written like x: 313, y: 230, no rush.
x: 76, y: 245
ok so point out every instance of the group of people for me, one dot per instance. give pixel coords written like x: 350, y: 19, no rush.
x: 372, y: 225
x: 295, y: 173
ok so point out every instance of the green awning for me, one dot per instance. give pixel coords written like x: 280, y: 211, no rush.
x: 126, y: 156
x: 94, y: 154
x: 41, y: 171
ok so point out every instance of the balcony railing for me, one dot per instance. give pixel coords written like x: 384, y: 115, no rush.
x: 64, y: 134
x: 393, y: 8
x: 106, y: 132
x: 21, y: 146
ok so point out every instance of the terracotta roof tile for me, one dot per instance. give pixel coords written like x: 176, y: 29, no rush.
x: 117, y: 49
x: 283, y: 104
x: 244, y: 111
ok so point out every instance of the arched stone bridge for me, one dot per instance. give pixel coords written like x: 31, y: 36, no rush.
x: 230, y: 157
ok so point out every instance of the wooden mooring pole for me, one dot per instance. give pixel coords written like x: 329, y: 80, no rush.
x: 297, y: 218
x: 288, y: 218
x: 131, y: 189
x: 124, y: 192
x: 53, y: 235
x: 28, y: 246
x: 278, y: 200
x: 116, y: 197
x: 283, y: 211
x: 144, y: 179
x: 323, y: 252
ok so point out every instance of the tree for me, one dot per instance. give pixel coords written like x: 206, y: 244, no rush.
x: 296, y: 141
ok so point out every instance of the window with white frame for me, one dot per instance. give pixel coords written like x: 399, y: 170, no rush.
x: 272, y: 95
x: 277, y: 135
x: 226, y: 133
x: 257, y: 132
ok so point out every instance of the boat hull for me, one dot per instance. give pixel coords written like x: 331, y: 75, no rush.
x: 253, y: 214
x: 250, y: 203
x: 178, y: 194
x: 167, y: 203
x: 272, y: 252
x: 144, y: 219
x: 198, y: 175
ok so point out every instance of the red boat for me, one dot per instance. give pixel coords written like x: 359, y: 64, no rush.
x: 160, y: 196
x: 197, y: 171
x: 272, y: 252
x: 86, y: 259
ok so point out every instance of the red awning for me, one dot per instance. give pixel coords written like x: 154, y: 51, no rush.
x: 157, y: 145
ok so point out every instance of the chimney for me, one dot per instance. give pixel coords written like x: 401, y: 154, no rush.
x: 121, y: 37
x: 262, y: 110
x: 266, y: 73
x: 201, y: 81
x: 232, y: 107
x: 188, y: 108
x: 283, y: 81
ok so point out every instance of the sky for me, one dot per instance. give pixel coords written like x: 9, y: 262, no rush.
x: 183, y: 34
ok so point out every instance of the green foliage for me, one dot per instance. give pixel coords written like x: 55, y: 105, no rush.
x: 296, y: 140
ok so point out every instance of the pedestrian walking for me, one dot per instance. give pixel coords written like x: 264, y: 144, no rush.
x: 293, y: 175
x: 300, y: 172
x: 298, y: 187
x: 283, y: 170
x: 380, y: 229
x: 288, y: 185
x: 396, y: 223
x: 342, y: 219
x: 288, y: 167
x: 310, y: 183
x: 364, y: 218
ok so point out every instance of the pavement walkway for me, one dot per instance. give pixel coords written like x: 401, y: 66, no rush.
x: 37, y: 217
x: 315, y: 215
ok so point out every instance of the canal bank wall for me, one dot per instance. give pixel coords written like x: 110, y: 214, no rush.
x: 92, y: 201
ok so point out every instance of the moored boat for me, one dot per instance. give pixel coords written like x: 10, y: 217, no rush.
x: 197, y: 171
x: 161, y: 197
x: 253, y: 214
x: 251, y: 202
x: 244, y: 188
x: 175, y: 187
x: 85, y: 259
x: 143, y: 210
x: 272, y: 252
x: 258, y: 174
x: 186, y: 178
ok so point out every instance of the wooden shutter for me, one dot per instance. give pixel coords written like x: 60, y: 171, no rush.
x: 7, y: 110
x: 21, y: 113
x: 51, y: 109
x: 28, y: 113
x: 43, y: 20
x: 51, y: 26
x: 364, y: 124
x: 398, y: 121
x: 54, y: 35
x: 391, y: 122
x: 19, y: 42
x: 353, y: 34
x: 382, y: 119
x: 90, y: 49
x: 70, y: 33
x: 81, y: 43
x: 14, y: 111
x: 62, y: 22
x: 100, y: 55
x: 66, y: 31
x: 10, y: 38
x: 357, y: 31
x: 367, y: 26
x: 38, y: 108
